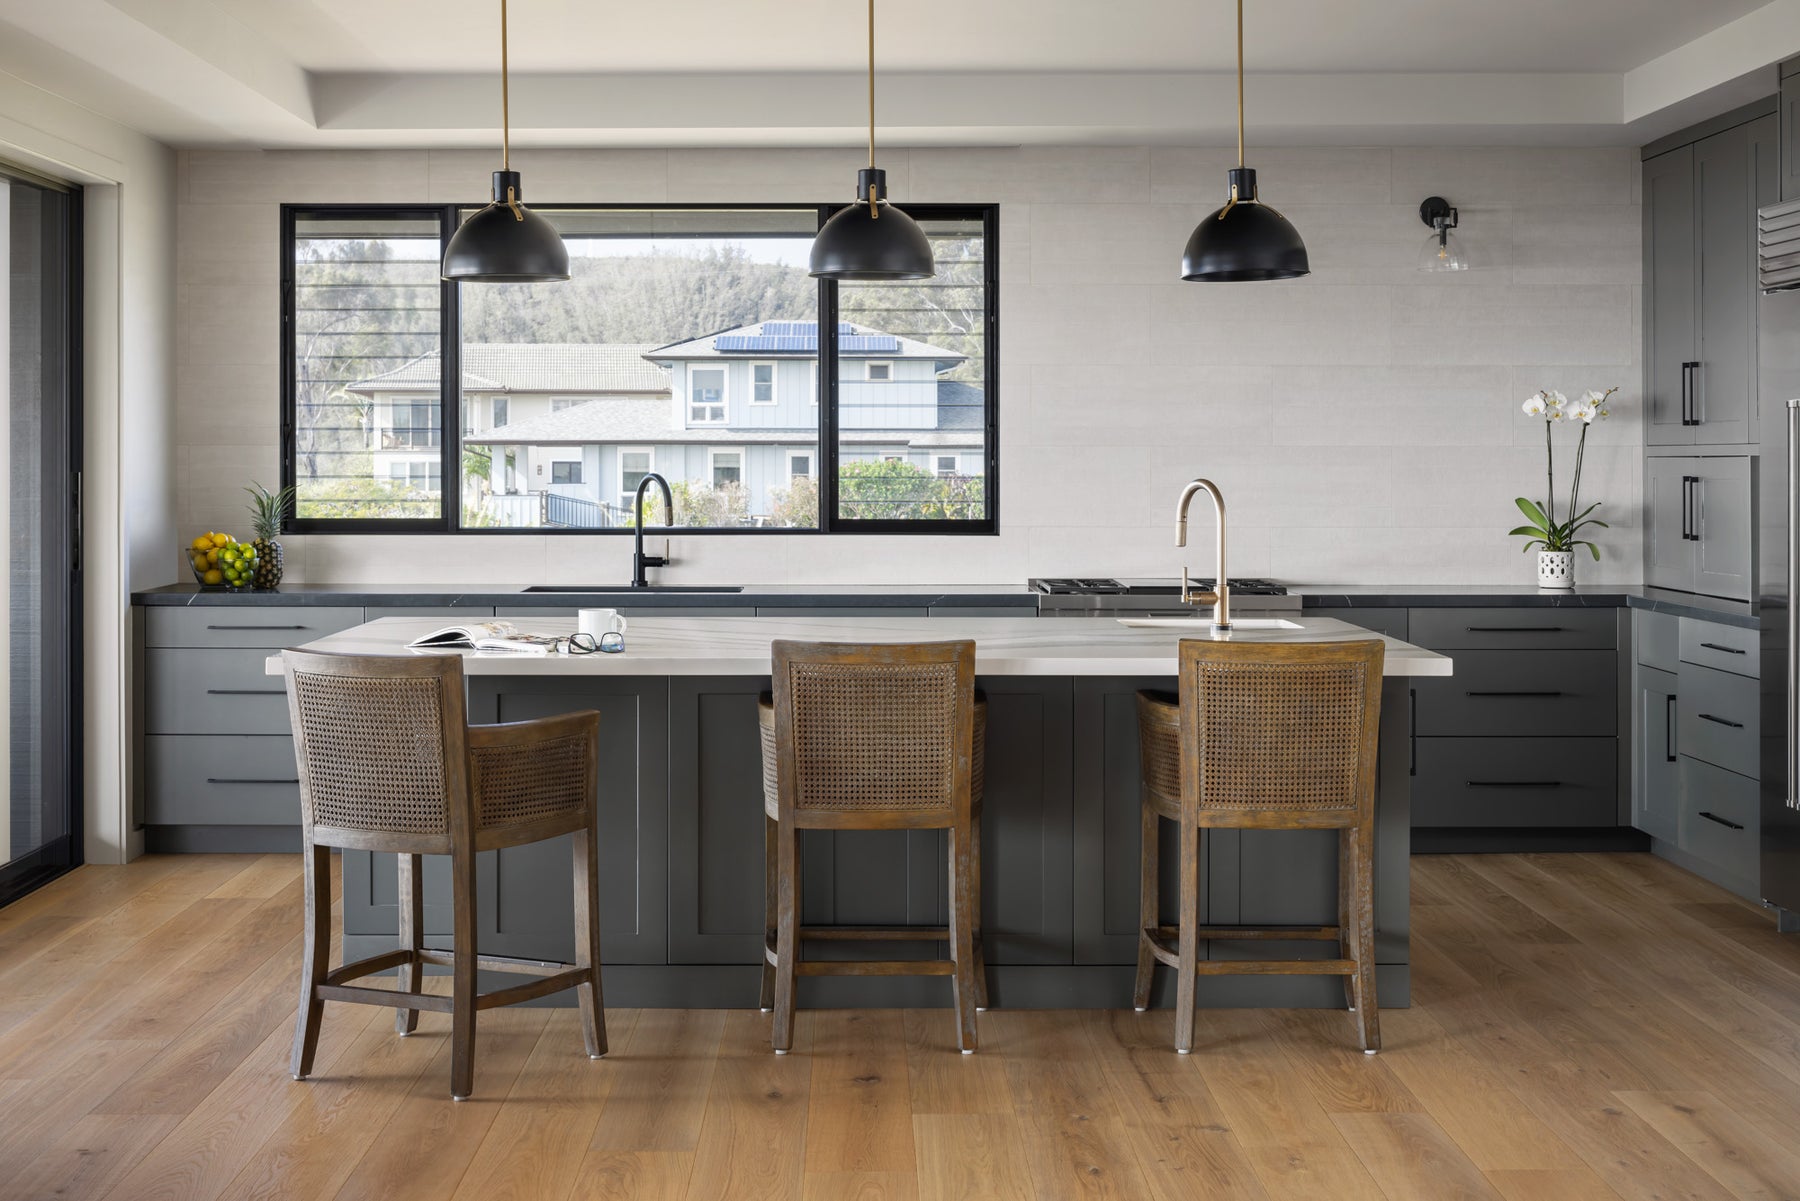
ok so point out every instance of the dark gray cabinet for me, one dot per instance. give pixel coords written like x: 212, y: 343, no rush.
x: 1700, y: 522
x: 1524, y: 735
x: 1700, y: 204
x: 1790, y: 129
x: 1656, y: 791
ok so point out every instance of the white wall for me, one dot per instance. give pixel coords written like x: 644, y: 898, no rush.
x: 1363, y: 422
x: 129, y: 498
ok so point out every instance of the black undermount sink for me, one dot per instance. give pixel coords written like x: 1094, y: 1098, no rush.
x: 611, y: 589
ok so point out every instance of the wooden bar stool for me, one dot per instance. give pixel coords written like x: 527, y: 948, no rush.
x: 1265, y: 736
x: 872, y: 737
x: 388, y: 762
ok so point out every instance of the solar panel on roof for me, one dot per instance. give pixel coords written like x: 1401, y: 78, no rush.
x: 800, y: 329
x: 869, y: 342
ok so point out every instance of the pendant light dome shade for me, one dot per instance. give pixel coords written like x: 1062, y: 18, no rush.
x: 860, y: 242
x: 1245, y: 240
x: 505, y: 242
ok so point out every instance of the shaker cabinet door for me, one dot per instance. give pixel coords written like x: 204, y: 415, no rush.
x: 1722, y: 523
x: 1735, y: 172
x: 1671, y: 294
x: 1656, y: 784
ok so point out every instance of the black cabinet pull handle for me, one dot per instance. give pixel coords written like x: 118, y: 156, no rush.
x: 256, y: 627
x: 1690, y: 411
x: 231, y: 780
x: 1686, y: 511
x: 1512, y: 629
x: 1723, y: 721
x: 1474, y: 693
x: 1730, y: 650
x: 1669, y: 726
x: 1699, y: 503
x: 1690, y: 508
x: 1513, y: 783
x: 246, y: 692
x: 1713, y: 817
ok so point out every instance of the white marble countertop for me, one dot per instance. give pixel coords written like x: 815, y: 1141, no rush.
x: 728, y: 646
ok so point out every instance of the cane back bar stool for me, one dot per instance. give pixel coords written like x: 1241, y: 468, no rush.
x: 873, y: 737
x: 389, y: 763
x: 1269, y: 736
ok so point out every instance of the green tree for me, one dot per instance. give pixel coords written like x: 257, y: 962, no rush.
x: 895, y: 489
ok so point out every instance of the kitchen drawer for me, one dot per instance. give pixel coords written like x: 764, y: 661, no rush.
x: 214, y: 780
x: 1728, y: 648
x: 251, y: 625
x: 196, y: 690
x: 1720, y: 819
x: 1717, y: 717
x: 1531, y: 782
x: 1521, y: 694
x: 1513, y: 629
x: 1658, y: 640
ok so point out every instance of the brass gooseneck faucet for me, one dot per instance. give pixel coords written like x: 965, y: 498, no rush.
x: 1219, y: 597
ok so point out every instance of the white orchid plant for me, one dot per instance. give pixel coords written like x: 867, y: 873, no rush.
x: 1544, y: 530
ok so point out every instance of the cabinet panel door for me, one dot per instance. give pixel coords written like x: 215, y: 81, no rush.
x: 1734, y: 172
x: 1724, y: 520
x: 1518, y: 782
x: 1671, y: 293
x: 1520, y: 694
x: 1668, y: 555
x: 1656, y: 782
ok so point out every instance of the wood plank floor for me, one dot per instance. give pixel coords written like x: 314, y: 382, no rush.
x: 1585, y: 1026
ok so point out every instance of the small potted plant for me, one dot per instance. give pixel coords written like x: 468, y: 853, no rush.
x: 1556, y: 540
x: 266, y: 511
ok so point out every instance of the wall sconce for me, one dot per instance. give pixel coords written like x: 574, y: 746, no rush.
x: 1441, y: 252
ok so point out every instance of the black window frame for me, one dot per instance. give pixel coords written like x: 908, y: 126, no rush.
x: 826, y: 457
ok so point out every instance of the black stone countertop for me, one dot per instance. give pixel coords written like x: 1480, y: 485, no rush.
x: 1318, y: 597
x: 1603, y: 596
x: 759, y: 595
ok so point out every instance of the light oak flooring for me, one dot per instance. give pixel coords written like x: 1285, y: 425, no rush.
x: 1586, y: 1026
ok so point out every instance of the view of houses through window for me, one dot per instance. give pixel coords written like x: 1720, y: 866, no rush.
x: 685, y: 343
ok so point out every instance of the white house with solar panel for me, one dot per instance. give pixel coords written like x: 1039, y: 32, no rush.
x: 740, y: 409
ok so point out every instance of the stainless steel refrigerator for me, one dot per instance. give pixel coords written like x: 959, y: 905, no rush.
x: 1778, y: 353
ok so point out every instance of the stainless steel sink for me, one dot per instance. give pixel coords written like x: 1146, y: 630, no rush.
x: 623, y: 589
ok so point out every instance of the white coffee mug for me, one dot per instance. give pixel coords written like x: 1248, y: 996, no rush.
x: 595, y: 622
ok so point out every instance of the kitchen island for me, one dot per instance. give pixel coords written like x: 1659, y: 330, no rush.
x: 681, y: 818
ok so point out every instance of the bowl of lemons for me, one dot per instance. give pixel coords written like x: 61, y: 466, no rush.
x: 221, y: 561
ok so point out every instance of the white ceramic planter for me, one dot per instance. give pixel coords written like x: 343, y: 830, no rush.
x: 1556, y: 569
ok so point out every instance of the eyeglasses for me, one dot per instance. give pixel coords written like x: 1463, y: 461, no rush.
x: 609, y: 643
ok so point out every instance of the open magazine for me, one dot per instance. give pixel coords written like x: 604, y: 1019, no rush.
x: 501, y: 636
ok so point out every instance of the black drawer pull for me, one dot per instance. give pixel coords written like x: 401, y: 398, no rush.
x: 1713, y: 817
x: 1730, y: 650
x: 1513, y: 629
x: 246, y: 692
x: 1669, y: 726
x: 229, y: 780
x: 1502, y: 693
x: 1512, y: 783
x: 256, y: 627
x: 1723, y: 721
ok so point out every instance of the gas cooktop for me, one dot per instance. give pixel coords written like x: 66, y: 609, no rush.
x: 1091, y: 586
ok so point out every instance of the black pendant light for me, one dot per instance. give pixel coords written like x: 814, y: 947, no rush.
x: 1246, y: 239
x: 505, y: 242
x: 872, y: 239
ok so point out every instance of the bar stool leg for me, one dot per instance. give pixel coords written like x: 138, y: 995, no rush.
x: 462, y: 974
x: 315, y: 957
x: 1149, y: 886
x: 1368, y: 1019
x: 963, y: 901
x: 787, y: 935
x: 1346, y: 889
x: 412, y: 922
x: 587, y: 941
x: 1188, y: 937
x: 771, y: 872
x: 981, y: 984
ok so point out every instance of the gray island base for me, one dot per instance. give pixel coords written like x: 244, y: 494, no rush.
x: 682, y: 824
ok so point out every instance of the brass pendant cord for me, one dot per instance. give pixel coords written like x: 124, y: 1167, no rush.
x: 512, y: 201
x: 874, y: 211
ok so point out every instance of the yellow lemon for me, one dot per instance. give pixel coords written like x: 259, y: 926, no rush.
x: 221, y: 539
x: 215, y: 576
x: 203, y: 542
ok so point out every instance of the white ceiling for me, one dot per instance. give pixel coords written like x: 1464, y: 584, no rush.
x: 282, y: 73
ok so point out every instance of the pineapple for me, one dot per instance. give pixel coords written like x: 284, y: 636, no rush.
x: 266, y: 511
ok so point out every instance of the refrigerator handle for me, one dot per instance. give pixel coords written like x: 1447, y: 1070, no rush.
x: 1793, y: 592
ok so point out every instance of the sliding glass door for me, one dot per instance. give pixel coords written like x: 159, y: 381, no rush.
x: 40, y: 433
